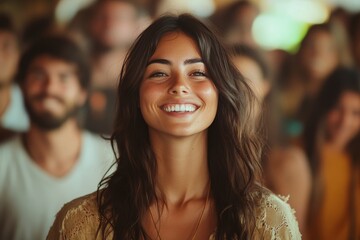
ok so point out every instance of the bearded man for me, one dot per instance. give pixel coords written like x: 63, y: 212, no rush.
x: 55, y: 161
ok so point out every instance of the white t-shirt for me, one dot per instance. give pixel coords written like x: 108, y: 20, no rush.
x: 15, y: 117
x: 30, y: 198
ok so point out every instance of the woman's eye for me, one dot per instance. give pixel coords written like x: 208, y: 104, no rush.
x: 157, y: 74
x: 198, y: 73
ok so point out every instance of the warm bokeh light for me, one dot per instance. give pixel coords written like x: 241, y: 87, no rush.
x: 200, y: 8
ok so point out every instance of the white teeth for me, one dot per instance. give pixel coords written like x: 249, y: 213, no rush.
x: 179, y: 108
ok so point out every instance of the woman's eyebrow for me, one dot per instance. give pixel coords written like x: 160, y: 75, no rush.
x: 159, y: 60
x: 193, y: 60
x: 167, y: 62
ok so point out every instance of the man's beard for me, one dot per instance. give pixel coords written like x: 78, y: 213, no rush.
x: 46, y: 120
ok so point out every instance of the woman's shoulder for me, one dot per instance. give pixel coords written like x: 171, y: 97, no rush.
x: 78, y: 219
x: 276, y: 219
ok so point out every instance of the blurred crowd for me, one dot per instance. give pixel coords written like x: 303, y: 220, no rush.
x: 58, y: 91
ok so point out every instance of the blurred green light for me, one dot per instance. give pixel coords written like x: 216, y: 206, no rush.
x: 274, y: 31
x: 307, y: 11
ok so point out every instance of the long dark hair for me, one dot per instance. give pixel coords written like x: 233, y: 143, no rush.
x: 233, y: 148
x: 339, y: 81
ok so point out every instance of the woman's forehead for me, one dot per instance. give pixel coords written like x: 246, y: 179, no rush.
x: 176, y: 44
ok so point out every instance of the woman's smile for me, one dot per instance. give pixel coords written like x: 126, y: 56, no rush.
x: 179, y: 108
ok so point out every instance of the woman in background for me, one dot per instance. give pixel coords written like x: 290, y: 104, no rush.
x: 253, y: 66
x: 323, y: 49
x: 332, y: 143
x: 188, y: 159
x: 286, y: 170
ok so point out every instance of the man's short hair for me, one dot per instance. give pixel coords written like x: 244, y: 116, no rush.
x: 58, y: 47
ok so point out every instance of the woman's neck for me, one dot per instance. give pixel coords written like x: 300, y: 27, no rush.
x: 182, y: 166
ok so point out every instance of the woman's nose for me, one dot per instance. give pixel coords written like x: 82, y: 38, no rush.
x: 179, y: 86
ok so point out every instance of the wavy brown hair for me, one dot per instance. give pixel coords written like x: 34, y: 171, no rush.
x: 234, y: 149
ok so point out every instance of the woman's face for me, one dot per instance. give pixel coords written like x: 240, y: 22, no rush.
x: 319, y: 54
x: 343, y: 121
x: 177, y: 97
x: 252, y: 72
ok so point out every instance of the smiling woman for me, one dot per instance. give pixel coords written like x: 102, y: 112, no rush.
x: 177, y: 96
x: 188, y: 159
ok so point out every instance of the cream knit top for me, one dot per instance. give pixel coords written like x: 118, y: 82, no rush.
x: 79, y: 220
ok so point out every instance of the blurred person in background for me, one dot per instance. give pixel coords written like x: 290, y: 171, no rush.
x: 113, y: 26
x: 340, y: 15
x: 339, y: 20
x: 319, y: 54
x: 235, y: 22
x: 332, y: 142
x: 286, y: 170
x: 354, y: 35
x: 13, y: 117
x: 55, y: 161
x: 254, y: 67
